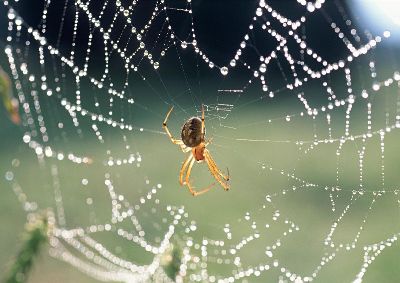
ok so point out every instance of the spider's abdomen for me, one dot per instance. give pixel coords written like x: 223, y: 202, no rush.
x: 191, y: 132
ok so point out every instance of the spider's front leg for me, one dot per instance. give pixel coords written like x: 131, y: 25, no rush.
x: 184, y: 166
x: 202, y: 121
x: 197, y: 193
x: 183, y: 147
x: 190, y: 161
x: 221, y: 178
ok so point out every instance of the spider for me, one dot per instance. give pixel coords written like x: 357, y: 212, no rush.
x: 193, y: 139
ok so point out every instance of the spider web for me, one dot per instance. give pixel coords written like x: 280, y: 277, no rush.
x: 308, y: 133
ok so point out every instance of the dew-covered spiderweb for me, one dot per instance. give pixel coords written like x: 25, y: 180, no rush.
x: 302, y: 105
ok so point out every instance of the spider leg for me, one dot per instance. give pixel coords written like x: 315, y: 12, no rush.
x: 189, y: 170
x: 202, y: 120
x: 208, y: 155
x: 216, y: 172
x: 196, y: 193
x: 191, y: 189
x: 208, y: 142
x: 184, y: 166
x: 217, y: 177
x: 183, y: 147
x: 164, y: 125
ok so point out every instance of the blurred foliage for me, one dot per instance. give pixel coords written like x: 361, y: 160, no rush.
x: 10, y: 103
x: 35, y: 237
x: 171, y: 261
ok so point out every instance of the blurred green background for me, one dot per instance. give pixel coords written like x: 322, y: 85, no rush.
x: 309, y: 208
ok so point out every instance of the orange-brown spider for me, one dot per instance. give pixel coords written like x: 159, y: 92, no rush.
x: 193, y: 139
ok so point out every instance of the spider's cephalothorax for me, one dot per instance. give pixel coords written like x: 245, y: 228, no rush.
x: 193, y: 132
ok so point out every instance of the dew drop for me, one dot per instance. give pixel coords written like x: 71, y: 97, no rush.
x: 9, y: 176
